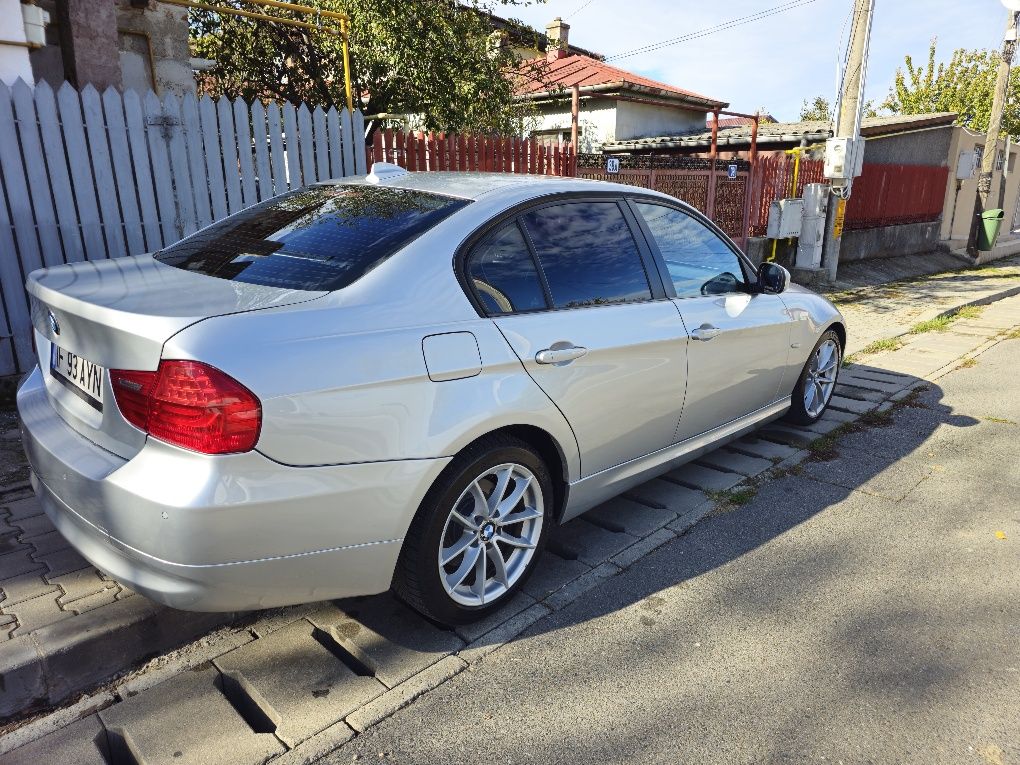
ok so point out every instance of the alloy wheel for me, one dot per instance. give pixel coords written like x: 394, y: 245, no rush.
x: 821, y: 377
x: 491, y: 534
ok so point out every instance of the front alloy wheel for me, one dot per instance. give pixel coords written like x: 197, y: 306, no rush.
x: 478, y: 533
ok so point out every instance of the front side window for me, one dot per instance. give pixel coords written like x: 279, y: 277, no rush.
x: 503, y: 274
x: 588, y: 254
x: 699, y: 262
x: 318, y: 238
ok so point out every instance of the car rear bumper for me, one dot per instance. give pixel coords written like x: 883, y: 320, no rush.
x: 225, y: 533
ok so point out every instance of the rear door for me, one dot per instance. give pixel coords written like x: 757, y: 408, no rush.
x: 570, y: 289
x: 740, y: 339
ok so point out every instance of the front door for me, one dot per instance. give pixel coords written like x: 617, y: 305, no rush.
x: 568, y: 287
x: 740, y: 340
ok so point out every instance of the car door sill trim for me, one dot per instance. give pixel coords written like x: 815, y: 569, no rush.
x: 588, y: 492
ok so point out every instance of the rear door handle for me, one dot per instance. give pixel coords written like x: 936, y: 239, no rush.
x: 705, y: 332
x: 560, y: 355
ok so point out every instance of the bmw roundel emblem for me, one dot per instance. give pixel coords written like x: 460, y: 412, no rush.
x: 54, y: 324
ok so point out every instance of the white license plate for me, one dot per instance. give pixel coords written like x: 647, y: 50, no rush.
x: 79, y: 375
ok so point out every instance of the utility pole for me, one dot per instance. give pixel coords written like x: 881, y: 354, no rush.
x: 849, y: 114
x: 984, y: 187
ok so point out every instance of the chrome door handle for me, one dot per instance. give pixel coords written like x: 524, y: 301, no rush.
x: 560, y: 355
x: 705, y: 332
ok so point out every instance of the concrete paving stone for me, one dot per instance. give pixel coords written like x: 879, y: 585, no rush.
x: 49, y: 543
x: 667, y: 495
x: 24, y: 681
x: 552, y: 573
x: 24, y: 587
x: 577, y: 588
x: 791, y: 436
x: 34, y: 526
x: 298, y: 680
x: 62, y: 561
x: 706, y: 479
x: 399, y: 697
x: 80, y: 584
x: 759, y: 447
x: 735, y: 462
x: 503, y: 634
x: 36, y: 613
x: 641, y: 548
x: 587, y: 542
x: 634, y: 518
x: 80, y: 743
x: 92, y: 602
x: 516, y: 604
x: 386, y: 636
x: 841, y: 403
x: 24, y: 508
x: 185, y: 721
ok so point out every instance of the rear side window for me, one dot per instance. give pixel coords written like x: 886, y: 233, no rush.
x: 588, y: 254
x: 503, y: 274
x: 319, y: 238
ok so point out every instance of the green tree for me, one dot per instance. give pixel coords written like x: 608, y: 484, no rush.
x: 437, y: 59
x: 818, y: 108
x: 965, y: 84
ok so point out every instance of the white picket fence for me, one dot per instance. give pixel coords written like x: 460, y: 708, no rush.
x: 87, y: 176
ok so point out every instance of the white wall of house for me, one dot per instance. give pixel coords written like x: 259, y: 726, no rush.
x: 606, y: 119
x: 637, y: 120
x: 14, y: 61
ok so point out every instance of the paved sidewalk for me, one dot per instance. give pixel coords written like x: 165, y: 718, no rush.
x: 885, y: 310
x: 65, y: 627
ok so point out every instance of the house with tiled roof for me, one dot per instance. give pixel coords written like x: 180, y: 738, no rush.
x: 614, y: 104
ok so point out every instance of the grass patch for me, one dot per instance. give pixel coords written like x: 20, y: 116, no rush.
x: 731, y: 499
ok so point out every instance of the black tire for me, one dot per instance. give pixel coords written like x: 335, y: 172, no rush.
x: 798, y: 413
x: 416, y: 580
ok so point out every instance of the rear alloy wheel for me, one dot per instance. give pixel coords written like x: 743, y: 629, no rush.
x: 478, y: 534
x: 817, y: 381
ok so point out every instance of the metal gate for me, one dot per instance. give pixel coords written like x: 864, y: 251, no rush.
x: 721, y: 192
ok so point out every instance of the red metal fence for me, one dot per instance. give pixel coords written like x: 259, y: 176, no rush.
x: 440, y: 151
x: 893, y: 195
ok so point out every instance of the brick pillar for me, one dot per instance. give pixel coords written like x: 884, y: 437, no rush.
x: 88, y: 41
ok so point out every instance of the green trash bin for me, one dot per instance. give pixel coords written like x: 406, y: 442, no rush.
x: 988, y: 231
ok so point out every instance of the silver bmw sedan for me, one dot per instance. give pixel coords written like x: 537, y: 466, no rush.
x: 400, y: 380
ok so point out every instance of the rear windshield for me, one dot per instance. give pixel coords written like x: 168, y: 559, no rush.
x: 319, y: 238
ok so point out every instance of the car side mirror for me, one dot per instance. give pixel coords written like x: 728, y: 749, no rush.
x: 772, y: 278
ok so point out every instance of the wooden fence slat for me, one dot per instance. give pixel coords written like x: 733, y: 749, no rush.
x: 242, y: 137
x: 35, y: 168
x: 178, y: 154
x: 102, y: 171
x: 321, y: 144
x: 59, y: 179
x: 213, y: 157
x: 161, y: 174
x: 277, y: 153
x: 69, y: 106
x: 358, y: 128
x: 290, y: 130
x: 335, y: 141
x: 349, y: 145
x: 228, y: 149
x: 134, y: 121
x: 120, y: 153
x: 307, y: 144
x: 15, y: 323
x: 191, y: 126
x: 12, y: 280
x: 262, y: 169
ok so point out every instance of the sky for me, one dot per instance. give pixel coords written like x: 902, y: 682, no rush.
x: 773, y: 63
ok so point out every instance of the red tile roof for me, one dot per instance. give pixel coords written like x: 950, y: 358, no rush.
x: 584, y: 71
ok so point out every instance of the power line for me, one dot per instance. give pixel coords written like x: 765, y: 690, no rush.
x: 732, y: 23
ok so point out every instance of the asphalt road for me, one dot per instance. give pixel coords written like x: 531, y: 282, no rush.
x: 865, y: 610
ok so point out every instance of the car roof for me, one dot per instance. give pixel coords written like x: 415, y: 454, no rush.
x: 475, y: 186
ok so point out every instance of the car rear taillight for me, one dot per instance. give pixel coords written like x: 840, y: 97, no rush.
x: 190, y: 404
